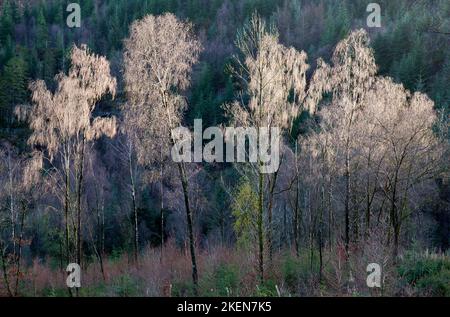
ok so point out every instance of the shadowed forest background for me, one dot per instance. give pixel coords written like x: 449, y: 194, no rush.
x: 86, y: 175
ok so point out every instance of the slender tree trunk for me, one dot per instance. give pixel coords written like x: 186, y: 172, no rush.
x: 61, y: 254
x: 368, y: 211
x: 394, y: 216
x: 322, y: 211
x: 269, y: 216
x: 162, y: 210
x: 296, y: 222
x: 79, y: 194
x: 396, y: 241
x: 133, y: 202
x: 103, y: 229
x: 5, y: 269
x: 260, y: 228
x: 330, y: 214
x: 66, y: 207
x: 99, y: 246
x: 79, y: 185
x: 11, y: 203
x: 311, y: 232
x: 347, y: 201
x: 347, y: 186
x: 184, y: 183
x: 190, y: 226
x: 260, y: 216
x: 260, y: 219
x: 19, y: 252
x: 354, y: 237
x: 320, y: 256
x: 296, y: 207
x: 285, y: 238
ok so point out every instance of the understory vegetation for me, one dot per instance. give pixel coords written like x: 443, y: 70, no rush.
x: 88, y: 121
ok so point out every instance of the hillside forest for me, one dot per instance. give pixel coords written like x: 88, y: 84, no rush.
x: 88, y: 175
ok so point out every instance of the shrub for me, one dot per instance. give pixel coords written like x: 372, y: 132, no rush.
x: 223, y: 281
x: 125, y: 286
x: 297, y: 270
x: 182, y: 289
x: 435, y: 285
x: 291, y: 270
x: 427, y: 275
x: 267, y: 289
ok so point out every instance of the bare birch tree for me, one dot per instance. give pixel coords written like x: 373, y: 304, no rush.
x: 382, y: 134
x: 19, y: 187
x: 158, y: 58
x: 403, y: 128
x: 269, y: 73
x: 62, y: 123
x: 349, y: 79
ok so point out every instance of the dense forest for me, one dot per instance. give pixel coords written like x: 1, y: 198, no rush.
x: 86, y: 132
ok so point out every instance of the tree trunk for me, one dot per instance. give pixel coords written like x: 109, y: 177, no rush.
x: 184, y: 183
x: 133, y: 202
x: 347, y: 185
x: 66, y: 207
x: 394, y: 216
x: 269, y: 216
x: 260, y: 228
x: 311, y: 231
x: 162, y: 211
x: 347, y: 201
x: 296, y: 207
x: 368, y: 211
x: 79, y: 181
x: 11, y: 203
x: 19, y: 252
x: 5, y: 269
x: 296, y: 222
x: 79, y: 194
x: 330, y: 214
x: 320, y: 233
x: 99, y: 246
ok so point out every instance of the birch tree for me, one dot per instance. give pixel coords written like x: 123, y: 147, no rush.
x: 373, y: 128
x: 62, y: 125
x: 20, y: 186
x: 348, y: 79
x: 273, y: 78
x: 413, y: 153
x: 159, y: 55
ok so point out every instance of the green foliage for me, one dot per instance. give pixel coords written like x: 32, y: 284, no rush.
x: 13, y: 88
x: 244, y: 210
x: 337, y: 24
x: 126, y: 286
x: 297, y: 271
x: 182, y: 288
x: 267, y: 289
x: 202, y: 97
x: 97, y: 290
x: 42, y: 33
x: 291, y: 272
x: 426, y: 274
x: 223, y: 281
x: 435, y: 285
x: 440, y: 90
x: 8, y: 18
x: 55, y: 292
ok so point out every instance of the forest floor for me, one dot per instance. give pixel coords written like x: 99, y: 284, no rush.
x: 229, y: 272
